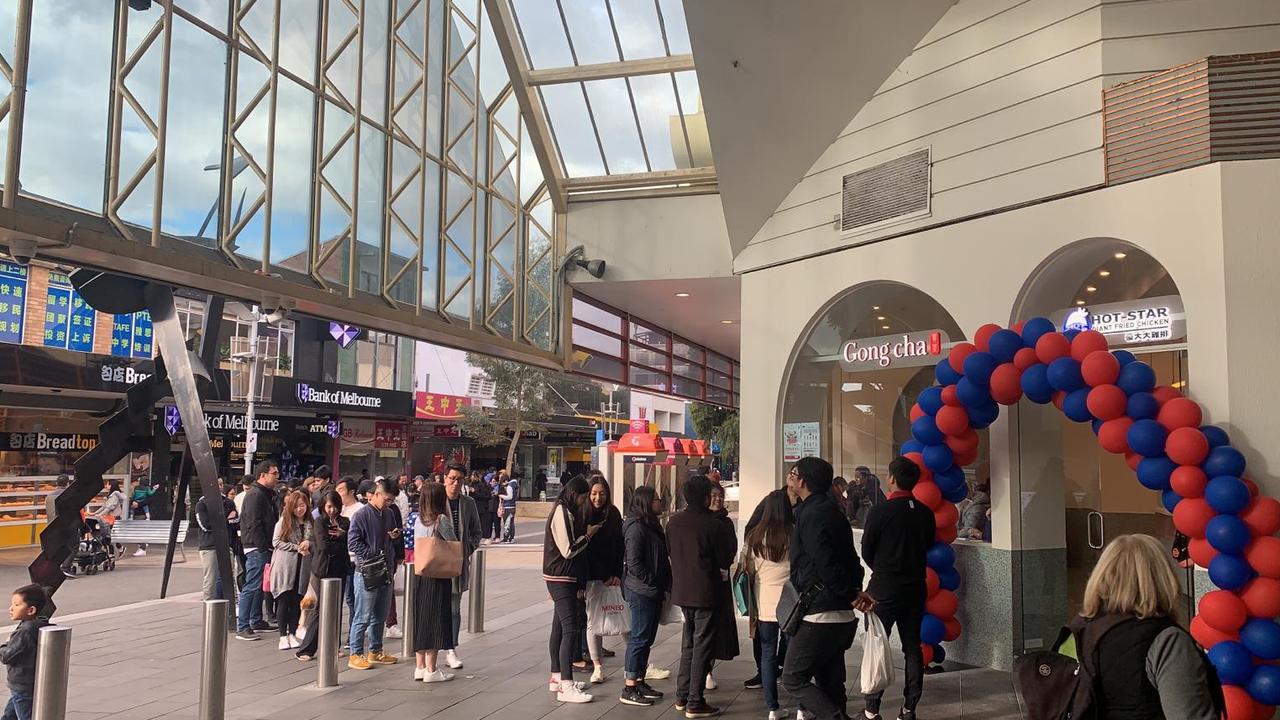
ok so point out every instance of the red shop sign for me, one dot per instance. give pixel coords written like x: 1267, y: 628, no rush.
x: 391, y: 436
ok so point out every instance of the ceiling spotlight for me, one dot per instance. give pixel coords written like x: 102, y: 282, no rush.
x: 682, y: 294
x: 726, y: 322
x: 880, y: 317
x: 884, y: 327
x: 875, y: 307
x: 1120, y: 256
x: 1079, y: 302
x: 1091, y: 289
x: 1104, y: 273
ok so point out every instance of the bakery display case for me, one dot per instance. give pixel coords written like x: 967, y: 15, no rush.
x: 23, y: 506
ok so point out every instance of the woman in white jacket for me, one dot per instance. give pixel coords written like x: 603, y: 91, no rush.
x: 767, y: 548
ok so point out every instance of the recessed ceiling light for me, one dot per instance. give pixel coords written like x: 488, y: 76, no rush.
x: 726, y: 322
x: 880, y: 317
x: 884, y: 327
x: 1091, y: 289
x: 875, y: 307
x: 1120, y: 256
x: 1104, y: 273
x: 682, y: 294
x: 1079, y: 302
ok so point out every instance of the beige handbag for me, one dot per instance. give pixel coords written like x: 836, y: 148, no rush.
x: 435, y: 557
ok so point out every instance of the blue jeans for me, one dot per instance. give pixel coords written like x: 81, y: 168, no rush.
x: 250, y: 606
x: 348, y: 592
x: 19, y: 706
x: 769, y: 638
x: 371, y: 617
x: 644, y: 628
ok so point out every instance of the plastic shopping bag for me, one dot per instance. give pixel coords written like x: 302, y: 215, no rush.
x: 671, y: 613
x: 606, y: 610
x: 877, y: 669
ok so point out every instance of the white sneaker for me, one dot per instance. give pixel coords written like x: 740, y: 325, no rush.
x: 140, y: 552
x: 301, y: 634
x: 284, y: 643
x: 597, y: 675
x: 779, y: 714
x: 802, y: 714
x: 570, y: 692
x: 394, y: 631
x: 452, y: 660
x: 553, y: 685
x: 437, y: 676
x: 654, y: 672
x: 711, y: 682
x: 293, y: 642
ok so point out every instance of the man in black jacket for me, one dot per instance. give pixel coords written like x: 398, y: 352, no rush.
x: 824, y: 565
x: 900, y: 530
x: 697, y: 555
x: 212, y: 586
x: 258, y: 517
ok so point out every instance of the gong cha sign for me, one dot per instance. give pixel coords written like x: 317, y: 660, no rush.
x: 913, y: 349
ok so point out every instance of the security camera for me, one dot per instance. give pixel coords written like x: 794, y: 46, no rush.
x: 270, y: 303
x: 22, y: 250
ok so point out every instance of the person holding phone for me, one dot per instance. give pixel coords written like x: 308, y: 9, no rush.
x: 329, y: 560
x: 564, y: 569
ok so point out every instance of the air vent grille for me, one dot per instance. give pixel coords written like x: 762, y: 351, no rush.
x: 891, y: 190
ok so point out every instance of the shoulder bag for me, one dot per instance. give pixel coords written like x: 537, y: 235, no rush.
x: 376, y: 572
x: 794, y: 605
x: 743, y: 585
x: 435, y: 557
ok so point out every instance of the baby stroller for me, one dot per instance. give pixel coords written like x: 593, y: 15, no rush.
x: 95, y: 552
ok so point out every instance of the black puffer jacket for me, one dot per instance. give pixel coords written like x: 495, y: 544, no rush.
x: 604, y: 554
x: 648, y: 566
x: 822, y: 550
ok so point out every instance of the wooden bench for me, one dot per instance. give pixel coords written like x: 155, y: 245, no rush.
x: 149, y: 532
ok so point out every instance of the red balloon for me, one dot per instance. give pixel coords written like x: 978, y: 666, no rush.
x: 1263, y: 555
x: 946, y: 534
x: 926, y: 475
x: 1099, y: 367
x: 964, y: 457
x: 917, y: 412
x: 982, y: 338
x: 1017, y: 327
x: 959, y: 352
x: 1201, y: 552
x: 1006, y: 384
x: 952, y: 627
x: 968, y: 440
x: 1180, y: 412
x: 1086, y: 343
x: 927, y: 652
x: 1188, y: 481
x: 1263, y: 712
x: 947, y: 515
x: 1253, y: 486
x: 954, y: 420
x: 950, y: 397
x: 931, y: 582
x: 1164, y: 394
x: 1106, y: 402
x: 1052, y: 346
x: 1262, y: 597
x: 1262, y: 516
x: 1191, y: 515
x: 1058, y: 397
x: 1239, y: 703
x: 1132, y: 459
x: 1112, y: 435
x: 944, y: 605
x: 1223, y: 610
x: 928, y: 493
x: 1207, y: 635
x: 1025, y: 358
x: 1186, y: 445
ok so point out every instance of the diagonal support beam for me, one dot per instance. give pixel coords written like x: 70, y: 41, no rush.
x: 606, y: 71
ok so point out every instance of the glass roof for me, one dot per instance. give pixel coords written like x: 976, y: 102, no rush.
x: 646, y: 120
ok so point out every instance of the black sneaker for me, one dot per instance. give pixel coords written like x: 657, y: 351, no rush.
x: 700, y: 710
x: 906, y: 714
x: 246, y: 635
x: 631, y: 695
x: 648, y: 692
x: 264, y: 626
x: 681, y: 703
x: 608, y: 653
x: 755, y: 683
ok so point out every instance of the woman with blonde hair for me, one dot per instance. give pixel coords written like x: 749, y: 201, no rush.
x: 1147, y: 664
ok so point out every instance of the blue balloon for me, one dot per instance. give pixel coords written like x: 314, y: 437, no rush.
x: 1136, y: 377
x: 926, y: 431
x: 979, y: 366
x: 930, y: 399
x: 1217, y: 436
x: 1142, y: 406
x: 1233, y: 662
x: 1154, y: 472
x: 932, y: 630
x: 951, y: 475
x: 1124, y: 356
x: 1034, y: 328
x: 981, y: 416
x: 1227, y: 494
x: 946, y: 374
x: 1146, y: 437
x: 1070, y: 334
x: 971, y: 393
x: 956, y: 493
x: 1230, y: 572
x: 939, y: 655
x: 1064, y: 375
x: 1170, y: 499
x: 1223, y: 460
x: 948, y: 579
x: 937, y: 457
x: 1228, y: 534
x: 1096, y: 425
x: 1075, y: 405
x: 1264, y: 686
x: 911, y: 446
x: 940, y: 556
x: 1035, y: 384
x: 1262, y: 637
x: 1004, y: 344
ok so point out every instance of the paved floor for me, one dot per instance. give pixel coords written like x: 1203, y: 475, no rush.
x: 141, y: 661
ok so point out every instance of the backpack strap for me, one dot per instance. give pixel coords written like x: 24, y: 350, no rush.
x: 1089, y: 633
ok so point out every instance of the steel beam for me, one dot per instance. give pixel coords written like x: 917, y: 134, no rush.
x: 609, y: 70
x: 661, y: 178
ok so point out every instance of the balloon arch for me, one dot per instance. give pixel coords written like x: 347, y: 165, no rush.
x: 1199, y: 475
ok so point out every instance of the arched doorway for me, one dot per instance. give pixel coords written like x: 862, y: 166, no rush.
x: 1075, y: 496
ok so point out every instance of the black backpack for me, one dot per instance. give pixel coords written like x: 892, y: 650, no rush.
x: 1054, y: 686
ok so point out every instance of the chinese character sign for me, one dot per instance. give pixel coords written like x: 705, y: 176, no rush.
x: 13, y: 299
x: 131, y: 335
x: 391, y: 436
x: 434, y: 406
x: 57, y: 314
x: 142, y: 331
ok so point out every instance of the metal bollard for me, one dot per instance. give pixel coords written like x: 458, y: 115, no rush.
x: 53, y: 665
x: 329, y: 625
x: 213, y: 661
x: 475, y: 612
x: 406, y: 617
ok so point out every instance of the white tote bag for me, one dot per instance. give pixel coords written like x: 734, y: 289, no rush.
x: 877, y: 669
x: 606, y: 610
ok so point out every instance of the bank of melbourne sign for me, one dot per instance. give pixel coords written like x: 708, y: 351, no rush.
x: 328, y: 396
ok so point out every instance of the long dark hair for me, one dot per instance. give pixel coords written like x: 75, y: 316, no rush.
x: 642, y: 506
x: 575, y: 496
x: 330, y: 498
x: 608, y: 497
x: 771, y: 538
x: 432, y: 501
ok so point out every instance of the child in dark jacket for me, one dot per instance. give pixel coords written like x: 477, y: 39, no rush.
x: 27, y: 609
